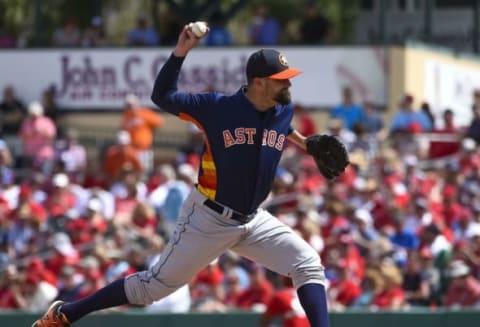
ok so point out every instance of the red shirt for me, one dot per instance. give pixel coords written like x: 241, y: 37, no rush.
x: 257, y: 294
x: 384, y: 299
x: 7, y: 300
x: 464, y: 295
x: 285, y: 303
x: 206, y: 280
x: 57, y: 261
x: 59, y: 203
x: 347, y: 291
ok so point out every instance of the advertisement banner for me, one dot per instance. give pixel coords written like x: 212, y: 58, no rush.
x: 451, y: 86
x: 100, y: 78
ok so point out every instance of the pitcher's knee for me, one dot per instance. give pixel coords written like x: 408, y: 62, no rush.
x: 308, y: 271
x: 143, y: 289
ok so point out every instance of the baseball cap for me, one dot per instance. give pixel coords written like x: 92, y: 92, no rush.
x: 269, y: 63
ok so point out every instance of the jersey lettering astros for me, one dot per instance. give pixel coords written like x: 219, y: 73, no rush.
x: 242, y: 145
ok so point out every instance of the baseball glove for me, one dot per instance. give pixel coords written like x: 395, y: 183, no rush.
x: 329, y: 154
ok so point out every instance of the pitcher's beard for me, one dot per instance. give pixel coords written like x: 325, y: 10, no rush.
x: 283, y: 97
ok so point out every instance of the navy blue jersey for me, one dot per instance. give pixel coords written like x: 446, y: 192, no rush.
x: 242, y: 145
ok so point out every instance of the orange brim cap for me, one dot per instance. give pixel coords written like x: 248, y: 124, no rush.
x: 286, y: 74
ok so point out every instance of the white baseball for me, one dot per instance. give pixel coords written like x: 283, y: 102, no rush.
x: 198, y: 28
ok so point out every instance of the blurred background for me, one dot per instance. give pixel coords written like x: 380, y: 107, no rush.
x: 93, y: 174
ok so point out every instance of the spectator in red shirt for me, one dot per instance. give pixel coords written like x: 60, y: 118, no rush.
x: 61, y: 200
x: 392, y: 297
x: 448, y: 146
x: 259, y: 293
x: 464, y: 289
x: 306, y: 125
x: 143, y: 221
x: 65, y: 253
x: 345, y: 289
x: 206, y: 289
x: 37, y: 265
x: 8, y: 279
x: 285, y: 304
x: 89, y: 267
x: 25, y: 197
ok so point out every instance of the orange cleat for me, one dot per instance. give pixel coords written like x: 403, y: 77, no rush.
x: 53, y: 317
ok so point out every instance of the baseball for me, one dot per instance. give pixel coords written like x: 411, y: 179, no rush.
x: 199, y: 28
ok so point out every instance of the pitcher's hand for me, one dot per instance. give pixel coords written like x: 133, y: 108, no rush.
x: 186, y: 42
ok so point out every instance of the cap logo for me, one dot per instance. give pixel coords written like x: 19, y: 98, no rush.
x: 283, y: 60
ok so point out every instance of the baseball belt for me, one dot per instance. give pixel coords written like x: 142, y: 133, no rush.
x: 220, y: 209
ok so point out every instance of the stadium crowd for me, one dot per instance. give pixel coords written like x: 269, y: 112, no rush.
x: 262, y: 28
x: 400, y: 229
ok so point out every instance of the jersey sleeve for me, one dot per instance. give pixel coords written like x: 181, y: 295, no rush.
x: 166, y: 95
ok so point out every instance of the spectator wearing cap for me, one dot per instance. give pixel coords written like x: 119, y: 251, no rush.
x: 60, y: 200
x: 347, y: 253
x: 120, y: 157
x: 69, y: 284
x: 206, y: 287
x: 37, y: 133
x: 34, y: 294
x: 64, y: 253
x: 371, y: 284
x: 91, y: 226
x: 89, y: 268
x: 392, y: 296
x: 141, y: 123
x: 364, y: 234
x: 464, y: 289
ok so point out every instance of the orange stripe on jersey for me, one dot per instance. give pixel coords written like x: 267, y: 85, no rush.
x: 207, y: 183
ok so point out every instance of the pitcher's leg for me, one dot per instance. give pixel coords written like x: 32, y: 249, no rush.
x: 198, y: 239
x: 277, y: 247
